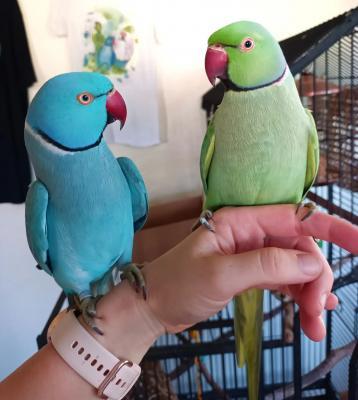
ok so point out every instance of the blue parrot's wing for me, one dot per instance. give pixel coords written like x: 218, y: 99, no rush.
x: 36, y: 224
x: 312, y: 155
x: 138, y: 191
x: 206, y: 155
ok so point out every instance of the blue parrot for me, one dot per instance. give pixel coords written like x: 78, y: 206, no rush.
x: 85, y: 205
x: 106, y: 55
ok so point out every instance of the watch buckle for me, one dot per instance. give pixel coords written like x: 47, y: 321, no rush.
x: 111, y: 375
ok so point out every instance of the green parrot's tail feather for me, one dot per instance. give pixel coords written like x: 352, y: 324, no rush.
x: 248, y: 318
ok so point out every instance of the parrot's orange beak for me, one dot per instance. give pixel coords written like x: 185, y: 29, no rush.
x: 116, y: 107
x: 215, y: 63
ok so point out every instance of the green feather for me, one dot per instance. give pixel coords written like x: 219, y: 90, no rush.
x: 312, y: 155
x: 207, y: 151
x: 248, y: 335
x: 259, y: 157
x: 250, y: 69
x: 261, y: 147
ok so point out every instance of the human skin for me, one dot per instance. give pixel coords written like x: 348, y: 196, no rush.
x: 267, y: 247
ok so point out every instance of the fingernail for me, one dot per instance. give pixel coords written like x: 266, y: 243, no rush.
x: 308, y: 264
x: 323, y: 300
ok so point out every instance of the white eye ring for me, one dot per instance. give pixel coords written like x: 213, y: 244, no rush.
x: 85, y: 98
x: 247, y: 44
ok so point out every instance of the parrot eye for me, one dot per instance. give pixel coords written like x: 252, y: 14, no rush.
x: 247, y: 44
x: 85, y: 98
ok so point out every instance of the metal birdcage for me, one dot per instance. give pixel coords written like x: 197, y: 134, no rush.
x: 200, y: 363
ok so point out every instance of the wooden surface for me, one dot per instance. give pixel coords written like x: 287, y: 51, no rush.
x: 175, y: 211
x: 167, y: 225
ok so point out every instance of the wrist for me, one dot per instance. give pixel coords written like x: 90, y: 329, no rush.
x: 128, y: 325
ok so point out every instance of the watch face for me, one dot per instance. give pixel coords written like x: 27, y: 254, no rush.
x: 54, y: 322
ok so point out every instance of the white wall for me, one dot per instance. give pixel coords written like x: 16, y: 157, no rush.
x: 27, y: 296
x: 170, y: 169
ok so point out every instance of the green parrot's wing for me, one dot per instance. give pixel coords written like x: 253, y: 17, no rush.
x: 206, y: 155
x: 138, y: 191
x: 36, y: 224
x: 312, y: 155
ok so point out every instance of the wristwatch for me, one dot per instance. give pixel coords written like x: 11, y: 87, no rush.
x: 111, y: 376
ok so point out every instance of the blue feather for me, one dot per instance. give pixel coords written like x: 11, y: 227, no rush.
x: 36, y: 225
x: 138, y: 191
x: 82, y: 211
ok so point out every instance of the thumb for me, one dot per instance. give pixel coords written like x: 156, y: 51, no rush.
x: 270, y: 267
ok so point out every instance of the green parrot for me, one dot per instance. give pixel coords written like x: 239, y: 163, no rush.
x: 261, y: 147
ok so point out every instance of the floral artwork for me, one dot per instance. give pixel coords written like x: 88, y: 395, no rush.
x: 109, y: 43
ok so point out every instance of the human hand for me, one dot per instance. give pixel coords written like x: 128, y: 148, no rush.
x: 264, y: 246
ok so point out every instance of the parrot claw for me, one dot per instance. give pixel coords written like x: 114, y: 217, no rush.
x: 204, y: 219
x: 133, y: 273
x: 87, y: 307
x: 309, y: 209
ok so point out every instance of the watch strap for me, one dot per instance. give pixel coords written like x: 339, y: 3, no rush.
x: 111, y: 376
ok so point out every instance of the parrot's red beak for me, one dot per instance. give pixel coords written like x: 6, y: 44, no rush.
x: 215, y: 63
x: 116, y: 107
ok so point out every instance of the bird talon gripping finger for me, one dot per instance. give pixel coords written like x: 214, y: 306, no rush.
x: 204, y: 219
x: 309, y: 209
x: 132, y: 272
x: 87, y: 307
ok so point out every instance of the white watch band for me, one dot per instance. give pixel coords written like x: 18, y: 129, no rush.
x: 112, y: 377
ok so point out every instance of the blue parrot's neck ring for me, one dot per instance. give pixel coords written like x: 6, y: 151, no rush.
x: 229, y: 85
x: 69, y: 149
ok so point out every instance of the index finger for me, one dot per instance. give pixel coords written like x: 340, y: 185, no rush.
x: 282, y: 220
x: 332, y: 229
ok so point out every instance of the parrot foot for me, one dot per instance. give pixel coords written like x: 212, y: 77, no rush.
x: 204, y: 219
x: 87, y: 307
x: 73, y: 303
x: 309, y: 209
x: 133, y: 273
